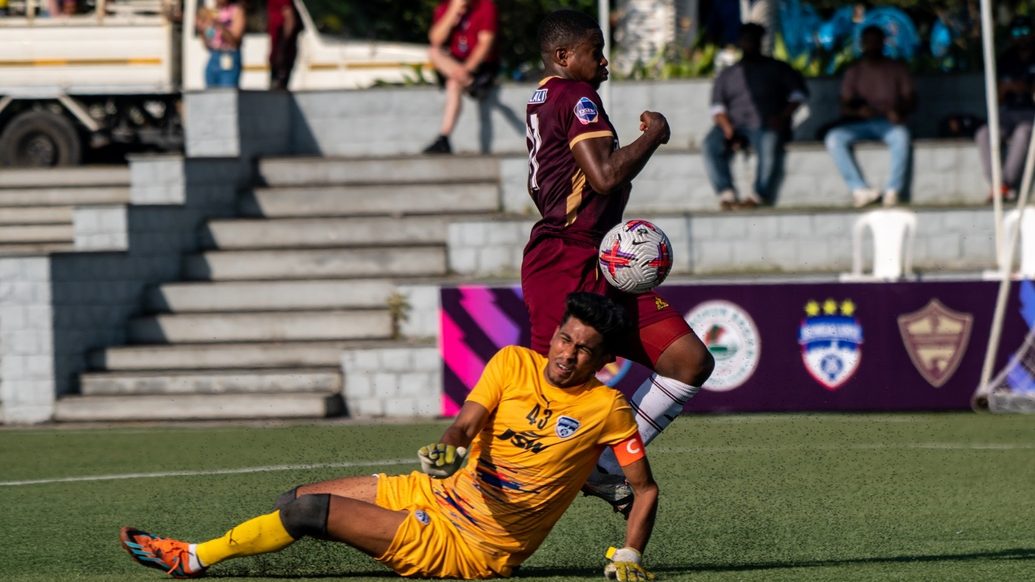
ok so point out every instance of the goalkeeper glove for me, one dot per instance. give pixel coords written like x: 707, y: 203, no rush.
x: 625, y: 566
x: 441, y: 460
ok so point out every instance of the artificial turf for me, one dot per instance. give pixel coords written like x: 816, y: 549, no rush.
x: 743, y: 497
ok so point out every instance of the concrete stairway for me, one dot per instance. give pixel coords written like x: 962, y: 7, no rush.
x: 36, y: 205
x: 257, y: 326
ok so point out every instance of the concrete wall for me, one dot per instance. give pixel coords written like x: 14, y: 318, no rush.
x: 402, y: 120
x: 947, y: 241
x: 55, y: 309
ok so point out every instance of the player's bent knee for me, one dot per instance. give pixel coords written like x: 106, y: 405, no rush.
x: 286, y: 497
x: 306, y: 516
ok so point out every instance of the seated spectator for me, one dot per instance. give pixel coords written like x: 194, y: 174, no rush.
x: 463, y: 41
x: 752, y: 103
x: 1015, y: 84
x: 876, y: 95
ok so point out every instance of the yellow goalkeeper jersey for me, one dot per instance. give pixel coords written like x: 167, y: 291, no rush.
x: 533, y: 456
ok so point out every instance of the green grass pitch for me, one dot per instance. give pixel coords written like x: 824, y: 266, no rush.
x: 743, y: 497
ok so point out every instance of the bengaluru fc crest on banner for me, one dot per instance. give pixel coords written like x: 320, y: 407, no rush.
x: 936, y: 338
x: 831, y: 341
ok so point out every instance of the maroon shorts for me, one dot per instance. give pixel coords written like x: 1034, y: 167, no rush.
x: 556, y: 267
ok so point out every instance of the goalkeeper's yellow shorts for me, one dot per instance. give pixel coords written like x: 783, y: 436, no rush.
x: 427, y: 544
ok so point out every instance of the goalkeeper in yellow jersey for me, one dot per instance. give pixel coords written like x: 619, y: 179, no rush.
x: 490, y: 489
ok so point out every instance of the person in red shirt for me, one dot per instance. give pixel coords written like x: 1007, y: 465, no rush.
x: 283, y: 25
x: 463, y: 52
x: 580, y: 180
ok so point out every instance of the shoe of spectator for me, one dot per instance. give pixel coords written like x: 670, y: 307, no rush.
x: 1006, y: 194
x: 865, y: 196
x: 890, y: 198
x: 750, y: 202
x: 727, y: 200
x: 439, y: 146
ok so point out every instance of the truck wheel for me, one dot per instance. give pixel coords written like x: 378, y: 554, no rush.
x: 40, y: 139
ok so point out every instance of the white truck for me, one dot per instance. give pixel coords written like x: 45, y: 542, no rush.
x: 113, y: 71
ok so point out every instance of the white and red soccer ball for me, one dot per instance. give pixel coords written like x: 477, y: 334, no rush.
x: 635, y: 256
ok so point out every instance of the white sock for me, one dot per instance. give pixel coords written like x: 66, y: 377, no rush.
x: 657, y: 402
x: 194, y: 562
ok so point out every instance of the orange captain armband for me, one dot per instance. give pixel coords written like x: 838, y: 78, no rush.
x: 629, y: 451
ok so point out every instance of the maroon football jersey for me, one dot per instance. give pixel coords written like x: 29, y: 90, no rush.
x: 560, y: 114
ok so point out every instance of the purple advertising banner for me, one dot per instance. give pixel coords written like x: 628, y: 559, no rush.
x: 787, y: 346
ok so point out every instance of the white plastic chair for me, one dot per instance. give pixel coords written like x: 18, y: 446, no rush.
x: 894, y: 231
x: 1026, y: 244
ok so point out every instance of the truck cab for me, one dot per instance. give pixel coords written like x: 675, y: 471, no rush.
x: 82, y: 74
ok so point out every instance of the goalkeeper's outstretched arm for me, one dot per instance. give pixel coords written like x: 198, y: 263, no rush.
x: 645, y: 504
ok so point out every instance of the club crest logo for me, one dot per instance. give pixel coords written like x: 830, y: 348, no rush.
x: 831, y: 341
x: 936, y: 338
x: 422, y: 516
x: 566, y: 426
x: 731, y: 336
x: 586, y: 111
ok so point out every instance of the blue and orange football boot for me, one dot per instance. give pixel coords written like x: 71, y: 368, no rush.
x: 168, y: 555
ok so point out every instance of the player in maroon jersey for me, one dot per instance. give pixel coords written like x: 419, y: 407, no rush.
x: 580, y: 180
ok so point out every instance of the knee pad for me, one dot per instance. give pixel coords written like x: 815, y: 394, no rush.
x: 306, y: 516
x: 285, y: 498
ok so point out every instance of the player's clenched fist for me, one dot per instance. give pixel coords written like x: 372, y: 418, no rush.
x: 441, y: 460
x: 655, y: 123
x: 625, y: 566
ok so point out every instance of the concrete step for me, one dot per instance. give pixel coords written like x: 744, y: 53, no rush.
x: 302, y: 171
x: 325, y: 232
x: 261, y: 327
x: 36, y: 215
x: 326, y: 354
x: 36, y: 248
x: 338, y: 200
x: 37, y: 233
x: 327, y: 380
x: 316, y: 263
x: 197, y: 407
x: 64, y: 196
x: 268, y: 295
x: 75, y: 177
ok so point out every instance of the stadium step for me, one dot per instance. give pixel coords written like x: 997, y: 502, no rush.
x: 262, y: 326
x: 36, y: 233
x: 420, y: 170
x: 25, y: 215
x: 352, y: 200
x: 324, y: 232
x: 64, y: 196
x: 71, y: 177
x: 36, y: 248
x: 268, y: 295
x: 316, y: 263
x: 293, y: 354
x: 211, y: 382
x: 138, y: 407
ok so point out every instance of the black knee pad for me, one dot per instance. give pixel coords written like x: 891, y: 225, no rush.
x: 306, y: 516
x: 285, y: 498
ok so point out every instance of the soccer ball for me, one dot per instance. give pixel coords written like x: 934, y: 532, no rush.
x: 635, y: 256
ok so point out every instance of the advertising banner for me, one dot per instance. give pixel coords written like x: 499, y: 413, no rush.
x: 787, y: 346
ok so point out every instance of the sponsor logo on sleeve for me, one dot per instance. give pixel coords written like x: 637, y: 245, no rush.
x: 566, y: 426
x: 831, y: 341
x: 731, y: 336
x: 935, y: 338
x: 422, y: 516
x: 586, y: 111
x: 538, y: 97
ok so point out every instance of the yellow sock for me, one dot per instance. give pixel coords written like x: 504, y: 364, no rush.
x: 259, y: 535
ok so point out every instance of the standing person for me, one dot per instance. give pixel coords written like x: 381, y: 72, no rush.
x: 463, y: 52
x: 222, y: 30
x: 535, y: 427
x: 1016, y: 93
x: 876, y: 95
x: 283, y: 26
x: 580, y: 179
x: 752, y: 102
